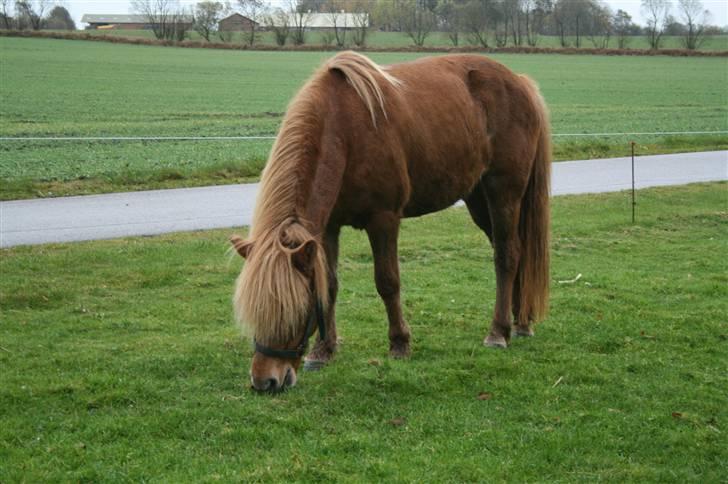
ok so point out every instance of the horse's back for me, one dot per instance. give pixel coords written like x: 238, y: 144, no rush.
x: 438, y: 138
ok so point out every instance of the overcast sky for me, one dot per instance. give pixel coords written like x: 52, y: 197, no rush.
x: 717, y: 8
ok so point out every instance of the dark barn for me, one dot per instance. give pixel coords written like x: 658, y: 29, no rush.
x: 236, y: 23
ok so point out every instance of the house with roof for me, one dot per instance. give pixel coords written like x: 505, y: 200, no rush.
x: 329, y: 20
x: 123, y: 22
x: 236, y: 23
x: 310, y: 21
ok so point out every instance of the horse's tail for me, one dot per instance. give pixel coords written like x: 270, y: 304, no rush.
x: 533, y: 230
x: 366, y: 77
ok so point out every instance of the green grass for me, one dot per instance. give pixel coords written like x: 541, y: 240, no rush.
x: 120, y: 361
x: 72, y: 88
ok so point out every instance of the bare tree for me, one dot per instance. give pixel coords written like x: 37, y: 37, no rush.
x: 535, y: 13
x: 361, y: 27
x: 254, y: 10
x: 476, y: 21
x: 599, y: 25
x: 623, y: 28
x: 278, y: 22
x: 560, y: 20
x: 156, y: 12
x: 501, y: 23
x: 207, y: 17
x: 572, y: 18
x: 167, y: 18
x: 181, y: 24
x: 327, y: 37
x: 513, y: 14
x: 225, y: 35
x: 6, y: 14
x: 695, y: 19
x: 450, y: 15
x: 385, y: 15
x: 656, y: 12
x: 581, y: 12
x: 299, y: 20
x: 418, y: 21
x: 338, y: 19
x: 30, y: 13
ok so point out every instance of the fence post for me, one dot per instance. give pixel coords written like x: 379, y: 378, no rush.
x: 632, y: 143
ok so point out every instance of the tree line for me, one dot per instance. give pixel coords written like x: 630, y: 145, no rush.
x: 523, y: 22
x: 488, y: 23
x: 34, y: 15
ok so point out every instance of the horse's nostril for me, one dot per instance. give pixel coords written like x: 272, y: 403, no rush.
x: 265, y: 384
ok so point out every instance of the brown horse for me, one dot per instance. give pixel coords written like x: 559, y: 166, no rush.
x: 364, y: 146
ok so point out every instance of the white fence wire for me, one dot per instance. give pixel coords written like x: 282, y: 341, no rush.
x: 272, y: 137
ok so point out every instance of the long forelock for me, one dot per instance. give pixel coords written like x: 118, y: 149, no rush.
x: 272, y: 298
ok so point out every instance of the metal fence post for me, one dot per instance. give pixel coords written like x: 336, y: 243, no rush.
x: 633, y: 200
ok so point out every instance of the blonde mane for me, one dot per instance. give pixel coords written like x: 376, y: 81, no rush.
x: 363, y: 75
x: 272, y: 297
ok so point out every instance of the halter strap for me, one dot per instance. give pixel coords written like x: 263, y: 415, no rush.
x: 315, y: 319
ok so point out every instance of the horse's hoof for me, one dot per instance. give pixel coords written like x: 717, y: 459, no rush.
x: 313, y: 365
x: 495, y: 342
x: 526, y: 332
x: 399, y: 352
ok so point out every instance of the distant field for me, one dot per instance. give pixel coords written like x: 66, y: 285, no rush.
x: 119, y: 360
x: 440, y: 39
x: 73, y: 88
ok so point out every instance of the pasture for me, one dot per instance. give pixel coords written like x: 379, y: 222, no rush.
x: 73, y: 88
x: 120, y: 360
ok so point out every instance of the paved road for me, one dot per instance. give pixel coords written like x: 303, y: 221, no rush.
x: 156, y: 212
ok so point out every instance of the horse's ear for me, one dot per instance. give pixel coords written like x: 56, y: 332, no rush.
x: 303, y: 257
x: 241, y: 246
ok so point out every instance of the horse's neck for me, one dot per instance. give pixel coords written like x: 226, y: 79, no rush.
x: 310, y: 148
x: 324, y: 183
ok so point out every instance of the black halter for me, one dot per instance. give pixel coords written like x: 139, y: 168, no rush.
x: 316, y: 318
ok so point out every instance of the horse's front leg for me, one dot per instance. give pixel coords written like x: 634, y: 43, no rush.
x: 324, y: 349
x: 383, y: 231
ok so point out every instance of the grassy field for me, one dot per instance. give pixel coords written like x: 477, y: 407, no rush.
x: 120, y: 361
x: 441, y: 39
x: 73, y: 88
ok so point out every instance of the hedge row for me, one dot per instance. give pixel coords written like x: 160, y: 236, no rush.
x: 196, y: 44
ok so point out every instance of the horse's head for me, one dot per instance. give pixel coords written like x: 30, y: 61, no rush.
x: 278, y: 301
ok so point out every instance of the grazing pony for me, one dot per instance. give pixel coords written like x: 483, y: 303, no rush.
x: 364, y: 145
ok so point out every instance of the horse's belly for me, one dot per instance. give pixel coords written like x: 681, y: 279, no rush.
x: 445, y: 159
x: 436, y: 186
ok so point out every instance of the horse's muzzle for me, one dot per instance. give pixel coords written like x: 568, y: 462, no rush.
x: 273, y: 384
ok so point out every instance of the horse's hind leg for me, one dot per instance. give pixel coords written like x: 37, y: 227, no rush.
x: 477, y: 204
x: 383, y: 230
x: 504, y: 201
x: 323, y: 351
x: 522, y: 329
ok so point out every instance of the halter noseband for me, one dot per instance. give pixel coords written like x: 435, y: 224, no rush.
x: 316, y: 318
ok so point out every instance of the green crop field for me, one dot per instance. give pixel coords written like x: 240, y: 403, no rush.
x: 120, y: 361
x: 74, y: 88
